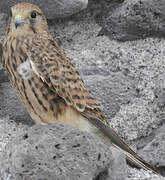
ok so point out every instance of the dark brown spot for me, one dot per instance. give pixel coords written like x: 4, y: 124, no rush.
x: 32, y: 28
x: 34, y: 43
x: 23, y: 85
x: 51, y: 55
x: 47, y: 51
x: 14, y: 67
x: 74, y: 80
x: 85, y: 90
x: 76, y: 97
x: 80, y: 106
x: 55, y: 69
x: 29, y: 81
x: 42, y: 88
x: 77, y: 72
x: 51, y: 92
x: 37, y: 97
x: 56, y: 99
x: 45, y: 96
x: 51, y: 107
x: 48, y: 65
x: 68, y: 79
x: 77, y: 89
x: 89, y: 97
x: 39, y: 49
x: 93, y: 104
x: 58, y: 109
x: 47, y: 79
x: 41, y: 68
x: 63, y: 90
x: 54, y: 77
x: 36, y: 85
x: 63, y: 80
x: 58, y: 54
x: 70, y: 72
x: 68, y: 100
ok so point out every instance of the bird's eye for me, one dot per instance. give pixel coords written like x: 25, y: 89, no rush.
x: 33, y: 15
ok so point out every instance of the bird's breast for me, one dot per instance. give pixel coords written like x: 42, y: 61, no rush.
x: 43, y: 104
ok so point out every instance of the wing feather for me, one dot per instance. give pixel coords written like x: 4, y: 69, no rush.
x: 54, y: 68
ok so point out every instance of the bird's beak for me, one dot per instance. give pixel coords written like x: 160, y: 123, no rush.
x: 18, y: 20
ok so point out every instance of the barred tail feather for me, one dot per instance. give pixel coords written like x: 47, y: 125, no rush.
x: 111, y: 137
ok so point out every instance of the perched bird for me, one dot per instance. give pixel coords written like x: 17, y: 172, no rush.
x: 48, y: 84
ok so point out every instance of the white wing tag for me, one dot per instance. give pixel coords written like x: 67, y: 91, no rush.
x: 25, y: 70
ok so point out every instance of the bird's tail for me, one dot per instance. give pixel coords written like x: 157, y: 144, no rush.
x: 111, y: 137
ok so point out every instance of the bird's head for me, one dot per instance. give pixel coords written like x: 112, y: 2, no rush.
x: 26, y: 18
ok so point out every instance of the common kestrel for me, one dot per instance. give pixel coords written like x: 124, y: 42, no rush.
x: 48, y: 84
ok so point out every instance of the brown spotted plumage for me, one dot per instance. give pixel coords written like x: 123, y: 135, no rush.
x: 48, y: 84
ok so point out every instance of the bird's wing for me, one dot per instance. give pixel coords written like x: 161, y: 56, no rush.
x: 56, y: 70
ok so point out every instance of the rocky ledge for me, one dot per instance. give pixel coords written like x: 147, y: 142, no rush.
x: 127, y: 77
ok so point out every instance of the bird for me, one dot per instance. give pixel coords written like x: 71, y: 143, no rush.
x: 49, y: 85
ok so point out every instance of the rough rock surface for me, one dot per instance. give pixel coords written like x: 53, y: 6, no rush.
x: 153, y: 151
x: 11, y: 107
x: 57, y: 152
x: 135, y: 174
x: 127, y: 77
x: 52, y: 8
x: 3, y: 20
x: 130, y: 20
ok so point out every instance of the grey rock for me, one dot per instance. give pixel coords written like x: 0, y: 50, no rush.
x: 9, y: 129
x: 134, y: 19
x: 118, y: 169
x: 0, y: 58
x: 108, y: 68
x: 154, y: 151
x: 160, y: 90
x: 11, y: 106
x: 3, y: 20
x: 135, y: 174
x: 133, y: 121
x: 57, y: 152
x: 116, y: 87
x: 51, y: 8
